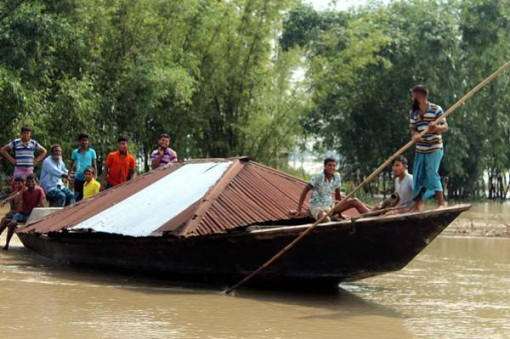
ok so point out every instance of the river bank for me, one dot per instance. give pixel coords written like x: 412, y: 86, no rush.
x: 484, y: 219
x: 471, y: 228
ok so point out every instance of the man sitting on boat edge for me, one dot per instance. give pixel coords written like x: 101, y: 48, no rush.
x: 52, y: 173
x: 401, y: 201
x: 323, y: 185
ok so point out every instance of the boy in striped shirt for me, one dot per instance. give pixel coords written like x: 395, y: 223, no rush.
x: 164, y: 154
x: 24, y: 149
x: 429, y: 148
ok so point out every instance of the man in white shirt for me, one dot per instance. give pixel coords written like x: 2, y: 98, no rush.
x: 403, y: 194
x: 53, y: 170
x: 403, y: 182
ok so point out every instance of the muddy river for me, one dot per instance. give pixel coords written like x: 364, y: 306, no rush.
x: 459, y: 287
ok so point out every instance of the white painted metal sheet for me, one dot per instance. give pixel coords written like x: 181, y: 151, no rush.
x: 149, y: 209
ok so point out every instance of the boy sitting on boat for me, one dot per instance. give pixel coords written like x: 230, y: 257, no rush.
x: 323, y: 185
x: 31, y: 196
x: 13, y: 199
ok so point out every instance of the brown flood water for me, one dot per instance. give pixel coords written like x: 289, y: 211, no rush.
x: 459, y: 287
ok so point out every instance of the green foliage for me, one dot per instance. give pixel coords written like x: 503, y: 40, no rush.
x: 207, y: 72
x: 484, y: 26
x: 361, y: 68
x: 219, y: 77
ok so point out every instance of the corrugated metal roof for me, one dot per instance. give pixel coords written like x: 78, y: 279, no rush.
x: 256, y: 194
x: 72, y: 215
x: 192, y: 198
x: 147, y: 210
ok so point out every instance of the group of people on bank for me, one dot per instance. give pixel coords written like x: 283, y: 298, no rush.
x: 53, y: 187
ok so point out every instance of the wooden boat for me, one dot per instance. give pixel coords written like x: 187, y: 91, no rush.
x: 331, y: 253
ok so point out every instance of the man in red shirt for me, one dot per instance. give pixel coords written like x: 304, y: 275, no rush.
x: 32, y: 196
x: 119, y: 165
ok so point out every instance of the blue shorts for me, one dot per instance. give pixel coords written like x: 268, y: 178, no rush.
x: 426, y: 179
x: 20, y: 217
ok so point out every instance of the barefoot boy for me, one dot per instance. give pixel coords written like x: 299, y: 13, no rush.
x: 13, y: 199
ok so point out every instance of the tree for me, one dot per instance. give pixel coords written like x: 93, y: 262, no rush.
x: 203, y: 71
x: 362, y: 65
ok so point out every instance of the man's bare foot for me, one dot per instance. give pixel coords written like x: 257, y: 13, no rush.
x: 440, y: 207
x: 294, y: 213
x: 337, y: 217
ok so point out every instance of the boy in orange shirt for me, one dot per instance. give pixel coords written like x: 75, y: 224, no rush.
x: 119, y: 165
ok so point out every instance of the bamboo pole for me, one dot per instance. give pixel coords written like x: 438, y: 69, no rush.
x: 369, y: 178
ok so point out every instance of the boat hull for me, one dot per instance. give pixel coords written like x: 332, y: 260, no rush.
x: 331, y: 253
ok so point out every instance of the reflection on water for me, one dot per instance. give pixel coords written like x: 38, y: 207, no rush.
x: 457, y: 288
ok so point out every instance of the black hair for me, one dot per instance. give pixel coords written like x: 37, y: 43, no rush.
x: 83, y: 136
x: 164, y: 135
x: 420, y: 89
x: 123, y: 138
x: 25, y: 129
x: 329, y: 160
x: 89, y: 169
x: 53, y: 147
x: 402, y: 159
x: 18, y: 179
x: 31, y: 176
